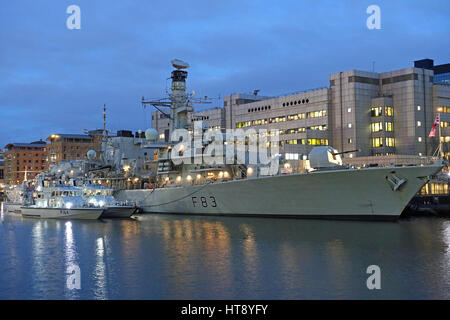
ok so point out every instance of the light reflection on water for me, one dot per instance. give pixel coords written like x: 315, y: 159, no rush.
x: 182, y: 257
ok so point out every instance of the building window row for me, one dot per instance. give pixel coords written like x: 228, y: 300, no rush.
x: 200, y: 118
x: 297, y: 116
x: 259, y: 109
x: 317, y: 114
x: 292, y: 131
x: 291, y: 156
x: 445, y: 124
x: 243, y: 124
x: 318, y: 142
x: 378, y: 142
x: 277, y: 119
x: 445, y: 139
x: 405, y: 77
x: 443, y: 109
x: 378, y: 111
x: 378, y: 126
x: 295, y: 102
x: 311, y: 142
x: 320, y: 127
x: 259, y: 122
x: 434, y: 188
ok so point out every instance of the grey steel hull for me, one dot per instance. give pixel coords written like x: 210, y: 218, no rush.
x: 118, y: 212
x: 352, y: 194
x: 60, y: 213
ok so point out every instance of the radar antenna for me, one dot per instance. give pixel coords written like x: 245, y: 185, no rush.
x: 179, y: 103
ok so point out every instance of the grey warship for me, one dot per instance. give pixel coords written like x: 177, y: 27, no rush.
x: 184, y: 184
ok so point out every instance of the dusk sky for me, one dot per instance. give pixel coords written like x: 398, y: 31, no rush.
x: 56, y: 80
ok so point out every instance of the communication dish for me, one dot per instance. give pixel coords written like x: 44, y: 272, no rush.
x: 91, y: 154
x: 177, y: 63
x: 151, y: 135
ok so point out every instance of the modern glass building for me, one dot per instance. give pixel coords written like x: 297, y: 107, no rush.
x: 441, y: 72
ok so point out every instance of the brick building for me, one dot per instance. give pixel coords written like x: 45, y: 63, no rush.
x: 66, y: 147
x: 23, y: 161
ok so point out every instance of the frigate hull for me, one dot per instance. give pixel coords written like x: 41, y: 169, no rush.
x: 369, y: 193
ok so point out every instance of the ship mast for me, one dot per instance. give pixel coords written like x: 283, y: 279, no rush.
x: 105, y: 135
x: 179, y: 102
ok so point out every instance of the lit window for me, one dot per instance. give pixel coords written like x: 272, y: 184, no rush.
x: 316, y: 114
x: 377, y: 142
x: 318, y: 142
x: 418, y: 108
x: 349, y: 125
x: 375, y: 111
x: 390, y: 142
x: 350, y: 140
x: 443, y: 109
x: 389, y: 126
x: 349, y: 110
x: 419, y: 124
x: 419, y: 139
x: 377, y: 126
x: 388, y: 111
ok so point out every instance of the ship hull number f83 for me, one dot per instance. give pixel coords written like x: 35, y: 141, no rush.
x: 204, y: 202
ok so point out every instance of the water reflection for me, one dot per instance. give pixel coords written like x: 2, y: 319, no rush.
x: 10, y: 261
x: 192, y: 260
x: 39, y: 272
x: 70, y: 254
x: 338, y: 265
x: 182, y: 257
x: 100, y: 291
x: 445, y: 262
x: 251, y: 259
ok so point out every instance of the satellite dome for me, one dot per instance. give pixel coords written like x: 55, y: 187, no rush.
x: 91, y: 154
x: 179, y: 64
x: 151, y: 134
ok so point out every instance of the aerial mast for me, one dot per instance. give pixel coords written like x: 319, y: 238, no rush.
x: 105, y: 134
x: 179, y: 103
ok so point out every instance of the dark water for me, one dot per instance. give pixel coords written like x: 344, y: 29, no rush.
x: 182, y: 257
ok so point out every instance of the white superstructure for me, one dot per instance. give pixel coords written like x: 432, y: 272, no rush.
x: 53, y: 200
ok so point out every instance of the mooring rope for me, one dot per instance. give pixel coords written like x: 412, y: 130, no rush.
x: 184, y: 197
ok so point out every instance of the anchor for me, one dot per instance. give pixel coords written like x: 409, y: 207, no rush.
x: 395, y: 181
